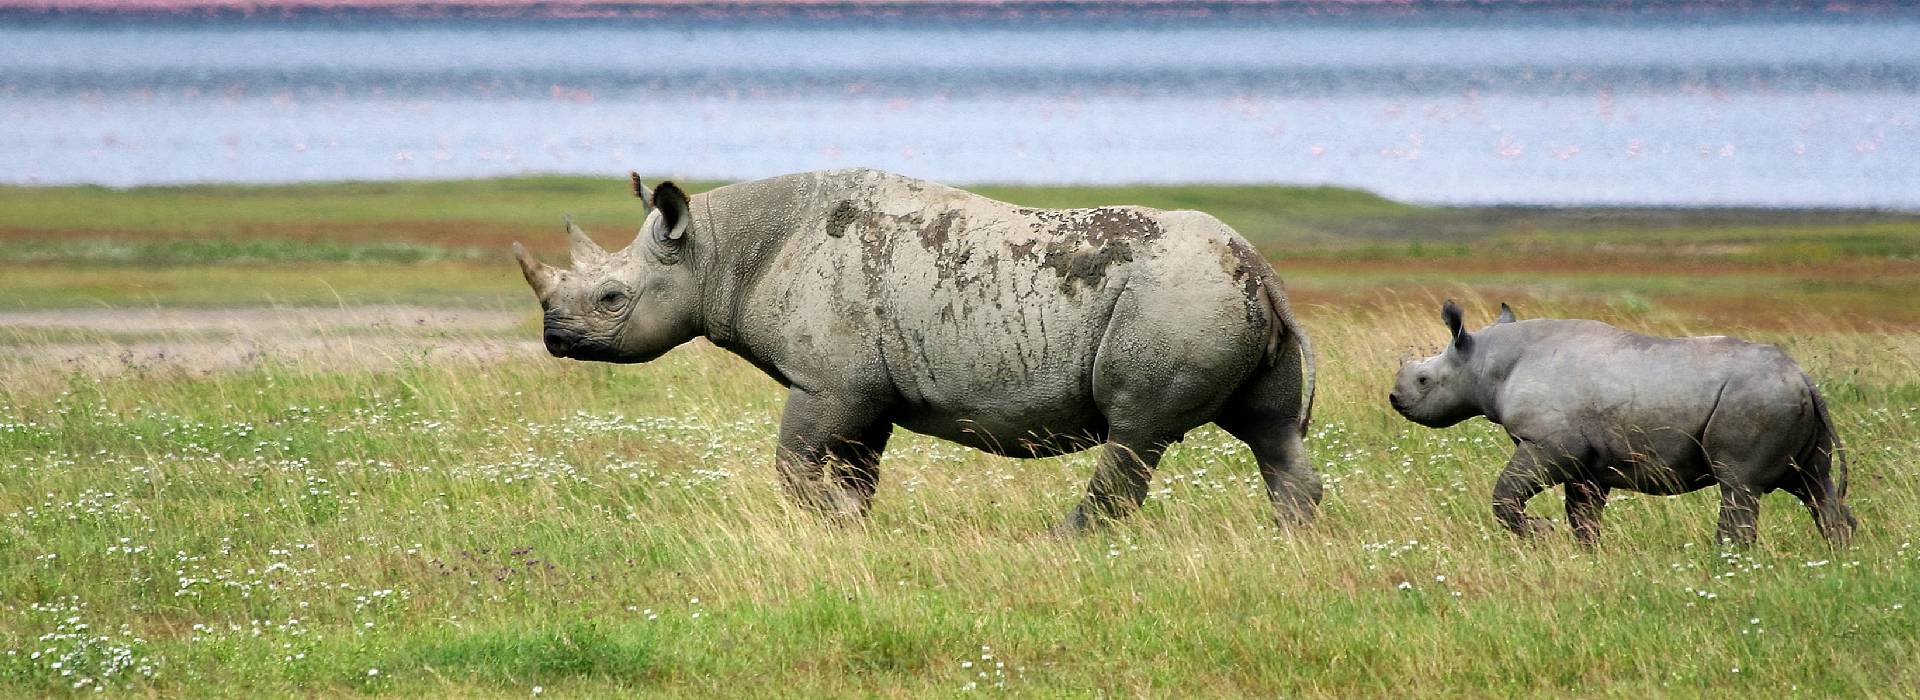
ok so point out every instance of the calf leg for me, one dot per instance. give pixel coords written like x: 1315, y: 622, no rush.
x: 1739, y: 514
x: 1813, y: 484
x: 1585, y: 500
x: 1526, y: 475
x: 1829, y: 508
x: 817, y: 431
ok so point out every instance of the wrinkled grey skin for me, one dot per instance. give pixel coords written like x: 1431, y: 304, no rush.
x: 1597, y: 408
x: 880, y: 300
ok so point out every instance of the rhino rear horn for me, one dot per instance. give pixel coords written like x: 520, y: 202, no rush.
x: 538, y: 274
x: 1506, y: 314
x: 582, y: 248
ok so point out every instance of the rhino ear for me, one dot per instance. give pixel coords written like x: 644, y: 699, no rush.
x: 1506, y: 314
x: 676, y: 218
x: 676, y: 215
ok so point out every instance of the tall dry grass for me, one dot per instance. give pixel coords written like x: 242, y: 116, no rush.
x: 403, y: 522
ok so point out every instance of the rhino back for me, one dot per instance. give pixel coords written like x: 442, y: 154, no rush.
x: 987, y: 318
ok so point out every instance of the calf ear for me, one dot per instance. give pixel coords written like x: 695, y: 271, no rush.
x: 1506, y: 314
x: 1450, y: 312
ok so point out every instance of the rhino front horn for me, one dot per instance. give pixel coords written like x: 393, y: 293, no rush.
x: 539, y: 275
x: 583, y: 249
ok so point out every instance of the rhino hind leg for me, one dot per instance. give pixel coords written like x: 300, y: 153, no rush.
x: 829, y: 454
x: 1119, y: 483
x: 1749, y: 443
x: 855, y: 463
x: 1816, y: 490
x: 1293, y: 487
x: 1266, y: 412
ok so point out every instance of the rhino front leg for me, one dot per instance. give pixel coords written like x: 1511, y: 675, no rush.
x: 1526, y: 476
x: 1585, y: 500
x: 829, y: 453
x: 1119, y: 483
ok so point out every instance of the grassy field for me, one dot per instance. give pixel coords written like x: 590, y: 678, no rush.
x: 301, y: 441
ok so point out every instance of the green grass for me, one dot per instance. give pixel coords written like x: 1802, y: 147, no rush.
x: 351, y: 510
x: 484, y: 529
x: 465, y: 219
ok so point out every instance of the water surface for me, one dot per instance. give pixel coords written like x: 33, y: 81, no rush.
x: 1776, y: 111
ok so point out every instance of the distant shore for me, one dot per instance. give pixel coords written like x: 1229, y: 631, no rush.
x: 960, y: 10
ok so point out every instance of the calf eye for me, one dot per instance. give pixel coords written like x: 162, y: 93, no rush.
x: 1423, y: 381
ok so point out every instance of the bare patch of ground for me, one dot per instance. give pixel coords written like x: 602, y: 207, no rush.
x: 115, y: 341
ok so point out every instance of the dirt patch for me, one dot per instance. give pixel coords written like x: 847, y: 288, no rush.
x: 212, y: 340
x: 453, y: 234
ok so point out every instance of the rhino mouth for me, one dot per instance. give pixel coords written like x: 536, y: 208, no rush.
x: 594, y: 352
x: 574, y: 346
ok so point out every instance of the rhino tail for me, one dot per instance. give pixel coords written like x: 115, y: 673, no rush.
x: 1287, y: 331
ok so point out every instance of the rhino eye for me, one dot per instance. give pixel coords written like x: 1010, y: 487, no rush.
x: 1422, y: 381
x: 612, y: 298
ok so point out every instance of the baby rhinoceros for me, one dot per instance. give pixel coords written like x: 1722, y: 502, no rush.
x: 1597, y: 408
x: 881, y: 301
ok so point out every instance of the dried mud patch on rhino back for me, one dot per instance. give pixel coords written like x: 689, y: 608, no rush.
x: 876, y: 232
x: 1253, y: 273
x: 1087, y: 243
x: 934, y: 234
x: 844, y: 216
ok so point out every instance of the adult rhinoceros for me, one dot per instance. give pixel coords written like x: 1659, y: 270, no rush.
x: 1597, y: 408
x: 880, y: 300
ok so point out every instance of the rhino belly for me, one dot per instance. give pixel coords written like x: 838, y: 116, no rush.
x: 1661, y: 461
x: 1015, y: 426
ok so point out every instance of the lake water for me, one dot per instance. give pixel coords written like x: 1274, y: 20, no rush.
x: 1782, y: 111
